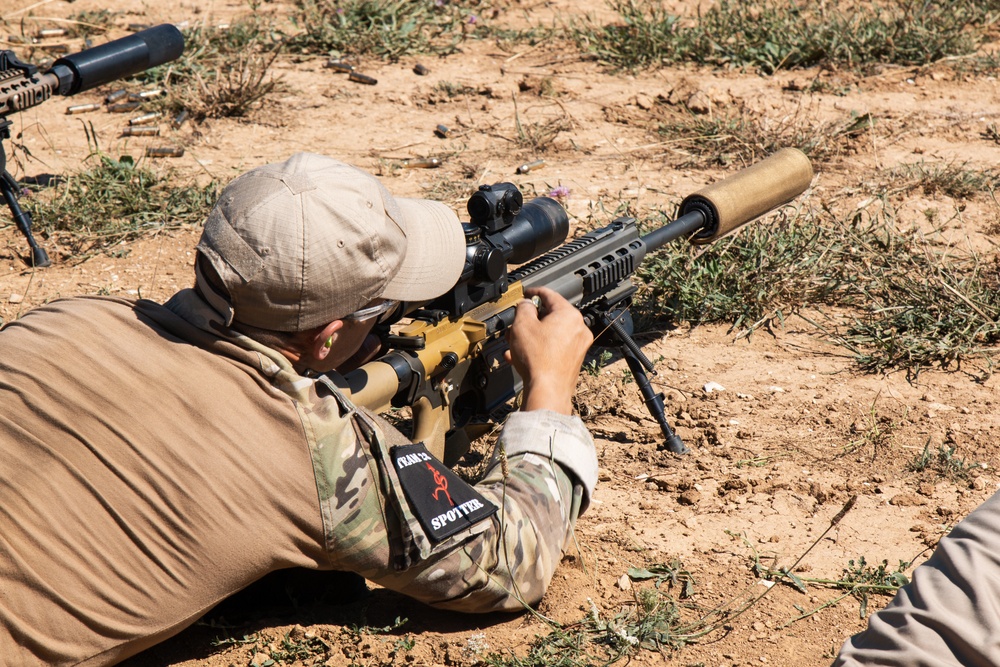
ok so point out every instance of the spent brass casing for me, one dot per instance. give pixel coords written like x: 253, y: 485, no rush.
x: 442, y: 131
x: 145, y: 119
x: 339, y: 66
x: 51, y: 32
x: 420, y: 70
x: 179, y: 119
x: 113, y: 97
x: 82, y: 108
x: 123, y: 108
x: 529, y: 166
x: 142, y: 131
x: 144, y: 95
x: 164, y: 152
x: 358, y: 77
x: 421, y: 163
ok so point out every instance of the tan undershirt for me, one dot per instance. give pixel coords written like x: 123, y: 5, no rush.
x: 131, y: 464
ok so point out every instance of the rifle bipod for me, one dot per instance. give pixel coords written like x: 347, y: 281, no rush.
x: 640, y: 364
x: 9, y: 187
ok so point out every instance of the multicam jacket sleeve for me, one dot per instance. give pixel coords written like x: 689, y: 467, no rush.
x: 540, y: 485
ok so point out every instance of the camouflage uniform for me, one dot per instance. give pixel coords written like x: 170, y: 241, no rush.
x: 152, y: 462
x: 369, y: 527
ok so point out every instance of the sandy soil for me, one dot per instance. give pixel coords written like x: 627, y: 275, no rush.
x: 794, y: 435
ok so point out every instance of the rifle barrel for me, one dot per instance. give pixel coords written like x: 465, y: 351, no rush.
x: 686, y: 225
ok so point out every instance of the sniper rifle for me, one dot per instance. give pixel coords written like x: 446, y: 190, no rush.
x: 447, y: 360
x: 22, y: 87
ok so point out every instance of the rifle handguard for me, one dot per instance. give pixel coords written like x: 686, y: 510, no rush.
x: 747, y: 194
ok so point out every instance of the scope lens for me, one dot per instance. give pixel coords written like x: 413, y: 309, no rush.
x: 541, y: 225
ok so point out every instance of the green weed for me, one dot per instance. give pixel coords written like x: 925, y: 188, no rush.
x: 647, y: 36
x: 300, y: 646
x: 90, y: 22
x: 116, y: 200
x: 770, y: 34
x: 597, y: 364
x: 875, y: 433
x: 223, y: 72
x: 924, y: 305
x: 943, y: 461
x: 741, y: 136
x: 537, y: 137
x: 765, y: 272
x: 452, y: 90
x: 385, y: 29
x: 903, y: 298
x: 956, y: 180
x: 859, y: 580
x: 652, y: 623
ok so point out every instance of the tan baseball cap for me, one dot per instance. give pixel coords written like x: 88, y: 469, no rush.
x: 300, y: 243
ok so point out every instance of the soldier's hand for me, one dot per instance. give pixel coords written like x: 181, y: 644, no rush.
x: 547, y: 348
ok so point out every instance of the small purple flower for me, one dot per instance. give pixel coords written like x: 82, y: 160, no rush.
x: 472, y: 19
x: 559, y: 191
x: 340, y: 10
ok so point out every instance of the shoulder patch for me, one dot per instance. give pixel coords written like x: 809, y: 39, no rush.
x: 443, y: 503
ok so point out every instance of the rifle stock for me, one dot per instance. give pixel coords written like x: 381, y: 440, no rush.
x: 450, y: 367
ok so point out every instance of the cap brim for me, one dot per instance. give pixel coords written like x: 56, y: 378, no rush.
x: 435, y: 252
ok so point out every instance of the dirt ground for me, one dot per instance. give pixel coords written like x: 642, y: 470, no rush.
x: 796, y: 432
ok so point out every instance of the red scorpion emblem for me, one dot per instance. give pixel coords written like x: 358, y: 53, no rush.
x: 442, y: 484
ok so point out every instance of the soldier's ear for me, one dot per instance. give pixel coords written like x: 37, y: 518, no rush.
x: 326, y: 339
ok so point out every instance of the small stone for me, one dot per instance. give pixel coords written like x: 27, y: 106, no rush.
x: 624, y: 582
x: 907, y: 500
x: 15, y: 298
x: 712, y: 386
x: 699, y: 103
x: 689, y: 497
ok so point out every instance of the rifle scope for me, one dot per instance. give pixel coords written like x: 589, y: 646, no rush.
x: 502, y: 230
x: 117, y: 59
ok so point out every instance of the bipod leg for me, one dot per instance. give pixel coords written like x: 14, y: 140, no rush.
x: 9, y: 187
x: 639, y: 364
